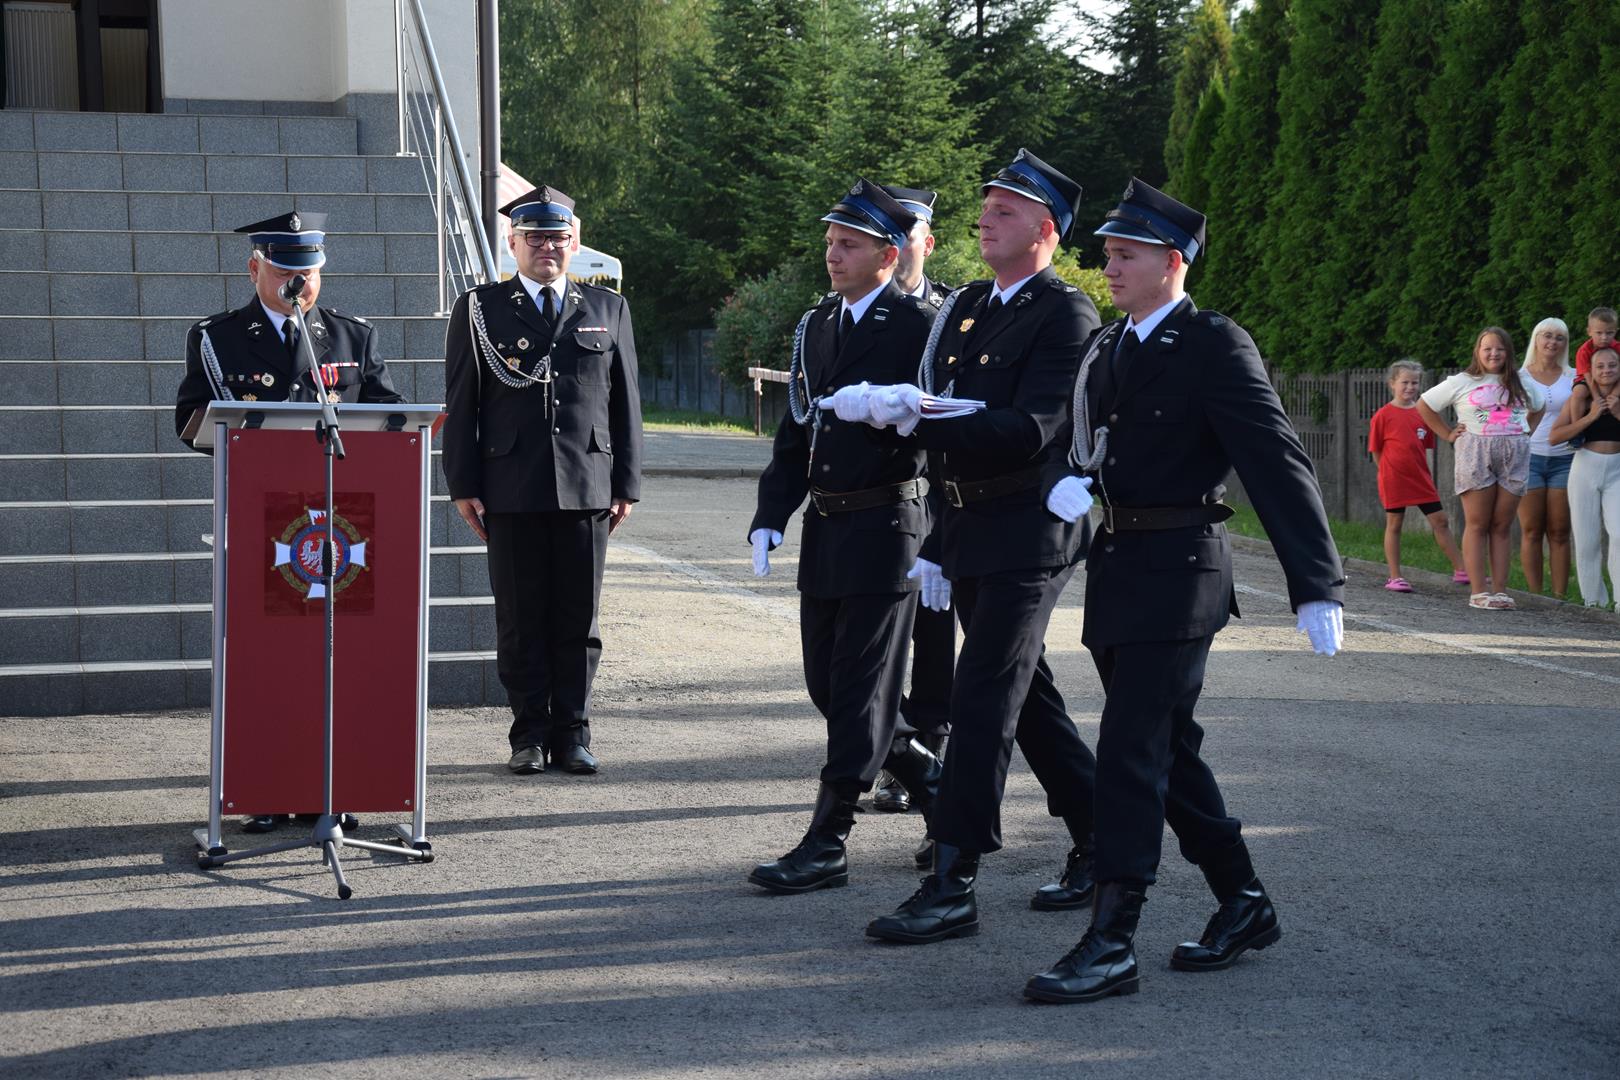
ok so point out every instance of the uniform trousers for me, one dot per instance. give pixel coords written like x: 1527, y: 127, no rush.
x: 1148, y: 768
x: 1004, y: 692
x: 926, y: 710
x: 854, y: 666
x: 545, y: 570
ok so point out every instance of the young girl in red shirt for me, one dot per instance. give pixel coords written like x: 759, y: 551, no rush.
x: 1399, y: 442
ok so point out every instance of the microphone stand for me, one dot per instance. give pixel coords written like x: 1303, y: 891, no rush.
x: 328, y: 831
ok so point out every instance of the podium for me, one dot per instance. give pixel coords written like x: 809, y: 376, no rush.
x: 268, y: 697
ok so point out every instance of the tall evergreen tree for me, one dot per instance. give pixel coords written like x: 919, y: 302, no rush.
x: 1532, y: 179
x: 1206, y: 56
x: 1449, y: 209
x: 1318, y: 96
x: 1589, y: 265
x: 1239, y: 162
x: 1192, y: 183
x: 1358, y: 282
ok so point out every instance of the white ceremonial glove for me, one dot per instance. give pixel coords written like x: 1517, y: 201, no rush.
x: 1323, y: 620
x: 853, y: 403
x: 1071, y: 498
x: 763, y: 540
x: 897, y: 405
x: 936, y: 590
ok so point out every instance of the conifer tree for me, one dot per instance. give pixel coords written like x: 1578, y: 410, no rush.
x: 1358, y: 282
x: 1318, y: 96
x: 1449, y: 209
x: 1239, y: 163
x: 1590, y: 263
x: 1192, y: 183
x: 1206, y: 56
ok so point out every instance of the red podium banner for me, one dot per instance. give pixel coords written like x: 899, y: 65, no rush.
x: 274, y: 622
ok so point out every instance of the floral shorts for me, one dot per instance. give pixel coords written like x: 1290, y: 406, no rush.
x: 1483, y: 460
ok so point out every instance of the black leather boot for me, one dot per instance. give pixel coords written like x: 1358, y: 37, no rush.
x: 1104, y: 962
x: 917, y: 770
x: 943, y: 907
x: 1074, y: 888
x: 1246, y: 919
x: 890, y: 795
x: 818, y: 862
x: 923, y: 857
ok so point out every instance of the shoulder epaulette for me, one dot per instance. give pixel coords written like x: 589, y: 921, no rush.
x: 344, y: 315
x: 213, y: 319
x: 1063, y: 286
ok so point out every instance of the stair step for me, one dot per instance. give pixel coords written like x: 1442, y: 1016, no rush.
x: 177, y: 133
x: 135, y: 338
x: 43, y: 292
x: 455, y: 678
x: 195, y: 172
x: 88, y: 250
x: 115, y: 211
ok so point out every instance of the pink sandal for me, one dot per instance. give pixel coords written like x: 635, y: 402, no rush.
x: 1459, y: 577
x: 1398, y: 584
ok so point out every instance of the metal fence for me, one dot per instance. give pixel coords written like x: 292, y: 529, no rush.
x: 687, y: 379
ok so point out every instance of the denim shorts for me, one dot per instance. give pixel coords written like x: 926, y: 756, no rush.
x: 1549, y: 471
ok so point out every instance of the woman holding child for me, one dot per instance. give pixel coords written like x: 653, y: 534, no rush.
x: 1544, y: 510
x: 1496, y: 411
x: 1592, y: 415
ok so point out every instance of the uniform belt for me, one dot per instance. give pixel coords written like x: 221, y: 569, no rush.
x: 842, y: 502
x: 1150, y: 518
x: 961, y: 492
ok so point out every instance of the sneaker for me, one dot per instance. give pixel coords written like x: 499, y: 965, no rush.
x: 1398, y: 584
x: 1502, y: 602
x: 1459, y: 577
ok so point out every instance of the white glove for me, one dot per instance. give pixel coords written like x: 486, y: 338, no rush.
x: 936, y: 590
x: 763, y: 540
x: 897, y: 405
x: 1323, y: 620
x: 853, y: 403
x: 1070, y: 499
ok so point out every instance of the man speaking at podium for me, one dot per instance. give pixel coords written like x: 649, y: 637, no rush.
x: 249, y: 354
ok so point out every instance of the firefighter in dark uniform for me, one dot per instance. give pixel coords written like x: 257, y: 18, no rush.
x: 1170, y: 400
x: 925, y: 712
x: 866, y: 520
x: 249, y: 354
x: 542, y: 451
x: 1012, y: 342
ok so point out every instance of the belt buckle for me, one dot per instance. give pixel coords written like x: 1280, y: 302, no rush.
x: 953, y: 494
x: 819, y: 501
x: 1108, y: 516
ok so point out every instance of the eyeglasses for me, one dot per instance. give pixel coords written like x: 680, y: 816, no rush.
x: 550, y: 240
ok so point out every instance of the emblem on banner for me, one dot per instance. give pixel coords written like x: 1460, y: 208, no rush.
x: 298, y: 553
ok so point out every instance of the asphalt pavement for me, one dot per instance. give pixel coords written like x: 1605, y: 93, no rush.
x: 1434, y: 812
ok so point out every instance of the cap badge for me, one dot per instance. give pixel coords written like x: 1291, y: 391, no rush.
x: 545, y: 194
x: 294, y: 223
x: 859, y: 186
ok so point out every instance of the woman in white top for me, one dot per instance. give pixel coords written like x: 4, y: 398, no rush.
x: 1592, y: 414
x: 1496, y: 411
x: 1544, y: 510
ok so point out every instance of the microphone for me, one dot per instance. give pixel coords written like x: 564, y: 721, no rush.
x: 293, y: 290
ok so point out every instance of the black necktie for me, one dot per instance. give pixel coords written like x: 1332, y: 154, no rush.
x: 291, y: 340
x: 1122, y: 355
x: 548, y: 311
x: 846, y: 326
x: 993, y: 307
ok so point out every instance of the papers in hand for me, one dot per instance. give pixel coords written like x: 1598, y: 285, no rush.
x: 938, y: 408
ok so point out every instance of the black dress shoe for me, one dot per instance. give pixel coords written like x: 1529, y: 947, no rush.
x: 1104, y: 962
x: 890, y: 796
x: 914, y: 767
x: 1073, y: 889
x: 819, y: 861
x: 1245, y: 920
x: 574, y: 758
x: 263, y: 823
x: 527, y: 760
x: 944, y: 907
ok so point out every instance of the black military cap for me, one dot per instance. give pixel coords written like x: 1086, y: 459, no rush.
x: 1033, y: 178
x: 295, y: 241
x: 544, y: 209
x: 1148, y: 215
x: 917, y: 200
x: 872, y: 210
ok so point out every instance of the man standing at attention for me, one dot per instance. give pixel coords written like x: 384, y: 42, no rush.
x: 1170, y: 400
x: 542, y: 450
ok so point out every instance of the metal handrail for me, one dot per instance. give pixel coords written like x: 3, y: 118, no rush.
x: 464, y: 254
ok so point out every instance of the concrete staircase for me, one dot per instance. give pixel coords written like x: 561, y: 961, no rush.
x: 115, y: 235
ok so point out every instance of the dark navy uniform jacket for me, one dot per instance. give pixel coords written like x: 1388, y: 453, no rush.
x: 500, y: 446
x: 254, y: 364
x: 1195, y: 404
x: 858, y: 552
x: 1021, y: 361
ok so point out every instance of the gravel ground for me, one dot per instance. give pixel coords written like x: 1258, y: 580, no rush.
x: 1434, y: 812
